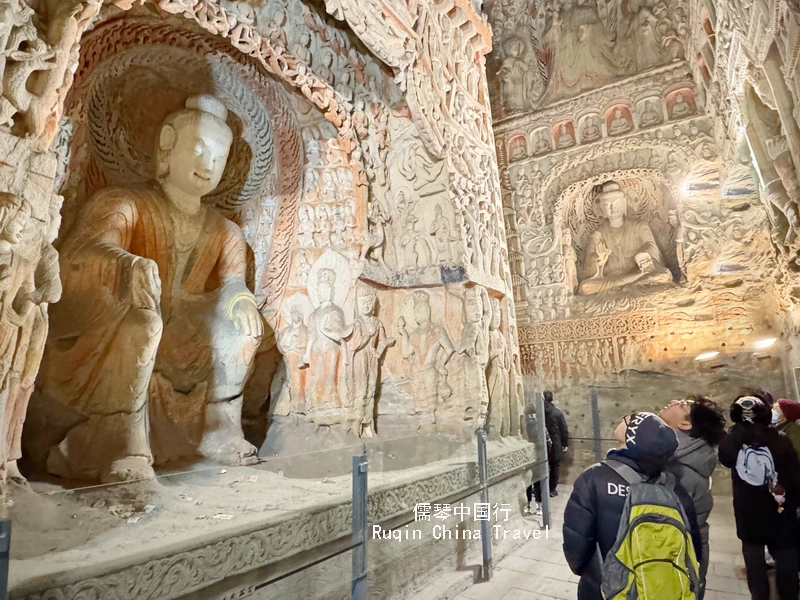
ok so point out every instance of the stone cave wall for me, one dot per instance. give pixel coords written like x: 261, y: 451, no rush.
x: 746, y: 60
x: 650, y: 129
x: 364, y: 178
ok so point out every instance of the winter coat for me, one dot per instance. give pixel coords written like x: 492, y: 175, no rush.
x: 755, y: 509
x: 792, y: 430
x: 594, y: 510
x: 693, y: 464
x: 558, y: 431
x: 532, y: 427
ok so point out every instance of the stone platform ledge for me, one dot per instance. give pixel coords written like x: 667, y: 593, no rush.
x: 160, y: 565
x: 431, y: 276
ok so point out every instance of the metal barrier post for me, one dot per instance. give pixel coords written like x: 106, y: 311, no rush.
x: 5, y: 541
x: 483, y: 476
x: 544, y: 486
x: 358, y: 590
x: 596, y: 426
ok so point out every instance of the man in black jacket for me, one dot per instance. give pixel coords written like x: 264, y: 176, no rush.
x: 559, y: 434
x: 534, y: 490
x: 594, y: 510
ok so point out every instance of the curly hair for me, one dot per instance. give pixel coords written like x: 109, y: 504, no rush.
x: 707, y: 419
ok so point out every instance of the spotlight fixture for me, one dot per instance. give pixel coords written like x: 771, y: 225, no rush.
x: 707, y: 355
x: 686, y: 187
x: 764, y: 343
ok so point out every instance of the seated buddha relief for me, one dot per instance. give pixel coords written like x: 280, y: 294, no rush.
x: 155, y: 291
x: 622, y: 252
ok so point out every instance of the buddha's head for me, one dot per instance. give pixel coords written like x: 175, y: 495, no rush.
x: 473, y: 305
x: 193, y: 146
x: 514, y: 47
x: 678, y: 98
x: 422, y: 307
x: 326, y: 278
x: 613, y: 203
x: 297, y: 315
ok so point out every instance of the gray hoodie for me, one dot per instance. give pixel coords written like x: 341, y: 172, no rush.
x: 693, y: 463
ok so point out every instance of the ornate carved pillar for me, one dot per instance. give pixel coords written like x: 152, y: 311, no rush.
x: 783, y: 102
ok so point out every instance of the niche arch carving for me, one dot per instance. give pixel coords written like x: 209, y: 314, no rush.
x: 262, y: 185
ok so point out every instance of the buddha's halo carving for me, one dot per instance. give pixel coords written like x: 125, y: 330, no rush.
x: 133, y: 90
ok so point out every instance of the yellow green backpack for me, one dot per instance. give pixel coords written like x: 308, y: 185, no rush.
x: 653, y: 557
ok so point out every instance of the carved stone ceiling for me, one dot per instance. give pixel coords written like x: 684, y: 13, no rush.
x: 548, y: 51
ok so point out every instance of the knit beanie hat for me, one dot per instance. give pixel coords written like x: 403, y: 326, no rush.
x: 790, y: 409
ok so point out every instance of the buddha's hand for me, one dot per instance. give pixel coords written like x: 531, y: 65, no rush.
x: 245, y: 316
x: 602, y: 254
x: 645, y: 262
x: 145, y: 284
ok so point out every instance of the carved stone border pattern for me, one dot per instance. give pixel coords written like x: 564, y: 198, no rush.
x: 658, y: 80
x: 582, y: 329
x: 174, y: 575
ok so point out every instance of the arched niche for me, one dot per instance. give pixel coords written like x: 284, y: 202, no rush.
x: 134, y: 71
x: 651, y: 197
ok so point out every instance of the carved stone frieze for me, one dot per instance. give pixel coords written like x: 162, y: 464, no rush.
x: 547, y: 52
x: 647, y: 107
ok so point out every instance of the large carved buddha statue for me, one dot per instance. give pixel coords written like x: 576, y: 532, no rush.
x: 621, y: 251
x: 154, y: 289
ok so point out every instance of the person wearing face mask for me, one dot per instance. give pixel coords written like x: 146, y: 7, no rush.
x: 766, y: 494
x: 699, y: 425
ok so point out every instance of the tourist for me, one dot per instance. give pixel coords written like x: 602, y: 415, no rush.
x: 699, y: 425
x: 766, y: 491
x: 593, y: 512
x: 534, y: 490
x: 559, y: 434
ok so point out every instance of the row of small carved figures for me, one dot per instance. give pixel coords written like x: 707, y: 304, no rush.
x: 325, y: 225
x: 548, y: 304
x: 590, y: 357
x: 593, y: 131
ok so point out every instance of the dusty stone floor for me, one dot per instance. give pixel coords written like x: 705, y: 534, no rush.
x: 538, y: 570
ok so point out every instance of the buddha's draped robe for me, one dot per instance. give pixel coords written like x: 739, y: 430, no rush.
x: 102, y: 350
x: 624, y: 242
